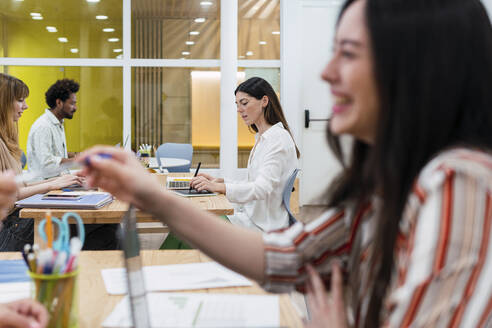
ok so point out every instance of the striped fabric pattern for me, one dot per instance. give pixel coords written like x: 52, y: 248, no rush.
x: 443, y: 254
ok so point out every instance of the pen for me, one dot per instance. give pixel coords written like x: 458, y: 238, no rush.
x: 196, y: 172
x: 49, y: 229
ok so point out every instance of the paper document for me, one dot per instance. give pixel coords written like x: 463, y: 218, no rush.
x: 202, y: 310
x: 176, y: 277
x: 14, y: 291
x: 15, y: 284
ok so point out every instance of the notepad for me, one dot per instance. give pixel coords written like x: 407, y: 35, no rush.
x: 87, y: 200
x: 202, y: 310
x: 176, y: 277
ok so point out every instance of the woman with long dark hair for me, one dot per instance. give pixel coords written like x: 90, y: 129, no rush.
x: 258, y: 199
x: 410, y: 216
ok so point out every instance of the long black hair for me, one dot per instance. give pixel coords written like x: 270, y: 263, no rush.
x: 257, y: 87
x: 433, y: 69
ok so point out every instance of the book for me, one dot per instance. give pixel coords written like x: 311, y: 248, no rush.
x: 86, y: 200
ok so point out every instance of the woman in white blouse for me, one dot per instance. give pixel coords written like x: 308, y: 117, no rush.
x: 258, y: 200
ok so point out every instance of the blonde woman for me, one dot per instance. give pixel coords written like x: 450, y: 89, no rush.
x: 13, y: 93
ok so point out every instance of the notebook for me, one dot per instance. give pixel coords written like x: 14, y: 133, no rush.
x: 86, y: 201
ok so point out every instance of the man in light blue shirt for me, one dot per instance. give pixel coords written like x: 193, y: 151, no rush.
x: 46, y: 143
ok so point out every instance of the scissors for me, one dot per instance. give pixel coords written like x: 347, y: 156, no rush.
x: 62, y: 242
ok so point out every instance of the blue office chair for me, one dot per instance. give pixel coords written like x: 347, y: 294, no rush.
x: 23, y: 159
x: 175, y: 150
x: 289, y: 188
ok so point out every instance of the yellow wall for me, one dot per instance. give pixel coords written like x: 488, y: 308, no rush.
x: 99, y: 116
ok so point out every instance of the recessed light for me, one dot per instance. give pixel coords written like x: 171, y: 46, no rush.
x: 199, y: 20
x: 74, y: 50
x: 63, y: 39
x: 262, y: 43
x: 113, y: 39
x: 19, y: 0
x: 93, y: 0
x: 35, y: 14
x: 190, y: 43
x: 37, y: 17
x: 101, y: 17
x: 185, y: 53
x: 51, y: 29
x: 194, y: 33
x: 276, y: 32
x: 120, y: 56
x: 206, y: 3
x: 108, y: 29
x: 249, y: 53
x: 117, y: 50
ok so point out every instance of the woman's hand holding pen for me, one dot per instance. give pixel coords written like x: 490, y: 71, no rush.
x: 120, y: 173
x: 207, y: 182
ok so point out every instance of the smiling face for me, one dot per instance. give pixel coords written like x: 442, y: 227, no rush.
x: 351, y: 77
x: 250, y: 108
x: 19, y: 107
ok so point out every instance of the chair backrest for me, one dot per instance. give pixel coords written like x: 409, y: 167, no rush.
x: 286, y: 195
x: 175, y: 150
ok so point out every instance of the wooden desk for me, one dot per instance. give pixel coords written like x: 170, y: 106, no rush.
x: 112, y: 213
x: 95, y: 304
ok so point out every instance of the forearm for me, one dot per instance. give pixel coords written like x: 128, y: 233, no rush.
x: 235, y: 247
x: 39, y: 188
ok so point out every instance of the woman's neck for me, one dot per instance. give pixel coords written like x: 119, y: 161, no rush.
x: 262, y: 125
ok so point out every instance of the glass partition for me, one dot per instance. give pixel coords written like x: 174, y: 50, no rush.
x: 187, y: 29
x: 258, y: 29
x: 179, y: 105
x: 61, y: 29
x: 99, y: 115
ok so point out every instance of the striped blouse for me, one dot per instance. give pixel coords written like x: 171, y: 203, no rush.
x: 443, y: 257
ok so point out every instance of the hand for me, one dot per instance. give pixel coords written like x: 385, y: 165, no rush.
x: 122, y: 175
x: 23, y: 314
x: 206, y: 176
x: 325, y: 312
x: 202, y: 183
x: 8, y: 193
x: 64, y: 181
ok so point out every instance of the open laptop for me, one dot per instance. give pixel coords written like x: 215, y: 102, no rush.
x: 136, y: 284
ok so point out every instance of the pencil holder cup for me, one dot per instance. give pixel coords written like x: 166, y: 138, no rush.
x: 58, y: 293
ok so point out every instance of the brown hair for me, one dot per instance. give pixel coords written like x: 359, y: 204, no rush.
x: 11, y: 89
x: 257, y: 88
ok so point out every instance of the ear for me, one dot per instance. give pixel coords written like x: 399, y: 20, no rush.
x: 264, y: 101
x: 59, y: 103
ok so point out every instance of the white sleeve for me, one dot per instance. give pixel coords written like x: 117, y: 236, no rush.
x: 269, y: 176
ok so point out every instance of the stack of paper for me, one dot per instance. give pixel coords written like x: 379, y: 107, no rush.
x: 14, y: 282
x: 202, y: 310
x: 176, y: 277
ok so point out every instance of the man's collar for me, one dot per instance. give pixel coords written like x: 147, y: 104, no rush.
x: 51, y: 117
